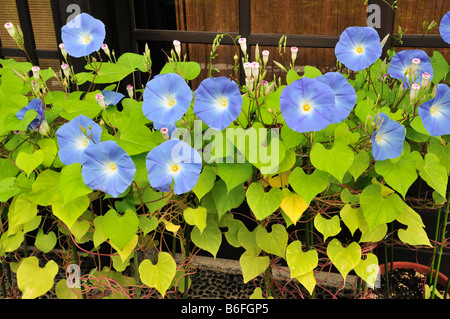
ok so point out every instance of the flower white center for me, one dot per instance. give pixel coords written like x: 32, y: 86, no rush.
x: 83, y: 142
x: 86, y: 38
x: 435, y: 111
x: 222, y: 103
x: 111, y: 168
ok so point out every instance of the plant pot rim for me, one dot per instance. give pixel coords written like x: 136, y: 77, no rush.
x: 442, y: 279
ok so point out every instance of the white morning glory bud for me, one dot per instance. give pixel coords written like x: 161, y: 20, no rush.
x: 414, y: 65
x: 35, y: 71
x: 66, y: 69
x: 257, y: 52
x: 105, y: 49
x: 44, y: 129
x: 248, y: 70
x: 383, y: 42
x: 130, y: 91
x: 10, y: 28
x: 249, y: 84
x: 425, y: 79
x: 101, y: 101
x: 255, y: 70
x: 265, y: 56
x: 63, y: 50
x: 177, y: 45
x: 165, y: 133
x: 294, y: 51
x: 414, y: 90
x: 243, y: 44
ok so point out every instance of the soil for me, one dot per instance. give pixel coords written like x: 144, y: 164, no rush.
x: 404, y: 284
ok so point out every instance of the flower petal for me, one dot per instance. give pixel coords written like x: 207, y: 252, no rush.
x: 435, y: 114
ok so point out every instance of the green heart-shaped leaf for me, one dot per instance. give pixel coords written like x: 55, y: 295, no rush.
x: 120, y: 229
x: 252, y: 266
x: 336, y: 161
x: 29, y: 162
x: 379, y: 209
x: 205, y: 182
x: 328, y: 227
x: 293, y: 205
x: 45, y: 243
x: 344, y: 259
x: 234, y: 174
x: 368, y: 269
x: 33, y: 280
x: 158, y: 276
x: 274, y: 242
x: 308, y: 186
x: 263, y: 204
x: 211, y: 237
x: 72, y: 184
x: 300, y: 263
x: 196, y: 217
x: 225, y: 200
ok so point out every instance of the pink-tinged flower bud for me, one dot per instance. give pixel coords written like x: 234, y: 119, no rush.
x: 66, y: 69
x: 425, y: 79
x: 177, y: 45
x: 414, y: 90
x: 294, y: 51
x: 10, y: 28
x: 243, y: 44
x: 130, y: 91
x: 265, y: 56
x: 165, y: 133
x: 248, y: 70
x: 414, y: 65
x: 101, y: 101
x: 63, y: 50
x: 255, y: 70
x: 105, y: 49
x: 35, y: 71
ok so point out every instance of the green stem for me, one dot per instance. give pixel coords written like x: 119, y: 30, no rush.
x: 188, y: 241
x: 269, y: 290
x: 435, y: 247
x: 444, y: 227
x: 136, y: 275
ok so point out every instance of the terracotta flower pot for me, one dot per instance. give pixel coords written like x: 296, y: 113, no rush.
x: 442, y: 279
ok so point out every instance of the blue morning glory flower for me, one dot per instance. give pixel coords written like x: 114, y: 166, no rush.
x: 410, y: 65
x: 444, y: 27
x: 307, y: 105
x: 112, y: 98
x: 173, y: 161
x: 36, y: 105
x: 166, y: 98
x: 435, y: 114
x: 388, y: 139
x: 108, y: 168
x: 73, y: 142
x: 218, y: 102
x: 345, y: 95
x: 358, y: 48
x: 83, y: 35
